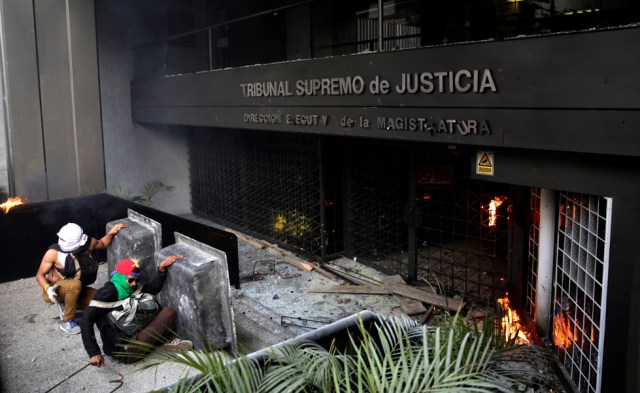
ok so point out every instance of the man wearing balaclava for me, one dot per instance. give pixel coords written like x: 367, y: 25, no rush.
x: 124, y: 345
x: 68, y: 292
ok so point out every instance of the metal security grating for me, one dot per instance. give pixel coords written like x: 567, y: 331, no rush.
x: 268, y: 184
x: 532, y: 264
x: 458, y: 248
x: 378, y: 194
x: 580, y: 288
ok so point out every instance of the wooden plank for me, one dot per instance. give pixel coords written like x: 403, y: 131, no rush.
x: 327, y: 274
x: 426, y: 297
x: 254, y: 242
x: 360, y: 269
x: 355, y: 289
x: 427, y: 315
x: 277, y: 251
x: 297, y: 263
x: 350, y: 275
x: 393, y: 280
x: 412, y: 307
x: 397, y: 285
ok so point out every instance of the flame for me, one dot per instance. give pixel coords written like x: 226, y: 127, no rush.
x: 511, y: 322
x: 11, y: 202
x: 492, y: 207
x: 562, y: 332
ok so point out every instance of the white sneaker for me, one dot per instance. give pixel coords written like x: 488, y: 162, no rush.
x: 177, y: 345
x: 70, y: 327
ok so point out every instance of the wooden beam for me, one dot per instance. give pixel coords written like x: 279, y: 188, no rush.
x: 427, y: 315
x: 350, y: 275
x: 354, y: 289
x: 398, y: 286
x: 393, y: 280
x: 297, y: 263
x: 412, y: 307
x: 402, y: 290
x: 426, y: 297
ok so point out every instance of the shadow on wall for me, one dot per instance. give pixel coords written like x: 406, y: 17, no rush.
x: 28, y: 230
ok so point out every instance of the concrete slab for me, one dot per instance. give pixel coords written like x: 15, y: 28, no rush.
x: 198, y: 288
x: 139, y: 241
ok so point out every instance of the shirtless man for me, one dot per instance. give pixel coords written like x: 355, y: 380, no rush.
x: 68, y: 292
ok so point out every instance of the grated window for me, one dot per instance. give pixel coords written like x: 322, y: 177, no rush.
x: 267, y: 184
x: 534, y: 234
x: 584, y: 227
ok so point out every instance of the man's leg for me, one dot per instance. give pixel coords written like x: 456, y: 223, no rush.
x: 86, y: 295
x: 147, y: 337
x: 68, y: 292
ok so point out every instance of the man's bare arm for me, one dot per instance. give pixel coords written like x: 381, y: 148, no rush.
x: 106, y: 239
x: 46, y: 265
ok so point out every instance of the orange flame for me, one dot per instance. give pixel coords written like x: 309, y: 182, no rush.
x: 11, y: 202
x: 562, y: 332
x: 492, y: 208
x: 511, y: 326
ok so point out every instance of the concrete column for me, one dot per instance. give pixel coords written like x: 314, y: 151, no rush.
x: 546, y: 252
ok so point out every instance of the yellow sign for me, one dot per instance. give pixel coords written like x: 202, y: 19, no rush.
x: 484, y: 163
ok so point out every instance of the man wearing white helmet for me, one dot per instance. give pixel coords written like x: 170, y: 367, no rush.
x: 68, y: 291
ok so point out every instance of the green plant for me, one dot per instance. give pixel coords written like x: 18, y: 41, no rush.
x: 396, y: 356
x: 149, y: 190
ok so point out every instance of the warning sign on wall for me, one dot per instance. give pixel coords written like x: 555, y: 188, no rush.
x: 484, y: 163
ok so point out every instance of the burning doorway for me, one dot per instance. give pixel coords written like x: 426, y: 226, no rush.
x: 435, y: 225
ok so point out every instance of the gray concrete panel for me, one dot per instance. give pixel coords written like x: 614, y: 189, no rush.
x: 70, y: 100
x: 24, y: 117
x: 56, y: 98
x: 198, y: 288
x: 139, y: 241
x: 86, y: 91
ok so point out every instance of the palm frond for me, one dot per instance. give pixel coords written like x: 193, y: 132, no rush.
x: 391, y: 355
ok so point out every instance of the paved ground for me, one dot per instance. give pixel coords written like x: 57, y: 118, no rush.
x: 36, y: 356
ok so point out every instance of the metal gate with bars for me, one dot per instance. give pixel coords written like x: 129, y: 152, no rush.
x: 582, y: 264
x: 393, y: 207
x: 264, y: 184
x: 581, y: 261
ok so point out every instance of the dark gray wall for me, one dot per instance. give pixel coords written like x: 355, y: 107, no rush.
x: 53, y: 98
x: 23, y: 105
x: 585, y: 80
x: 136, y: 153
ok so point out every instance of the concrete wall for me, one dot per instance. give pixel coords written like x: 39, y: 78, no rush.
x: 52, y: 94
x: 136, y: 153
x: 4, y: 152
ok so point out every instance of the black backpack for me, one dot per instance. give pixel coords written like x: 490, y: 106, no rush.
x: 79, y: 264
x: 132, y: 313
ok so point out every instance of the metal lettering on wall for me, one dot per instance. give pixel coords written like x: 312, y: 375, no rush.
x: 441, y: 82
x: 461, y: 81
